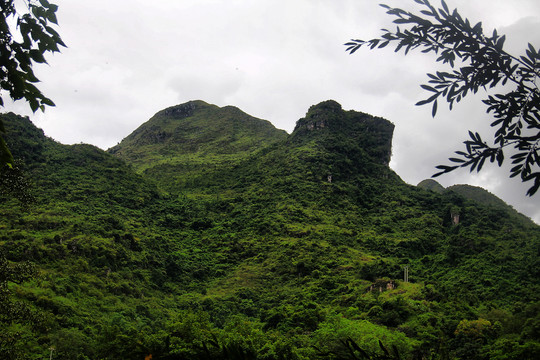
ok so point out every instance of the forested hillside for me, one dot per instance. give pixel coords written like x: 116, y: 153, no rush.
x: 181, y: 146
x: 209, y: 234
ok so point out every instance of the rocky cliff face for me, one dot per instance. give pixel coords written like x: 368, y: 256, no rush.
x: 332, y: 125
x: 183, y: 110
x: 325, y: 114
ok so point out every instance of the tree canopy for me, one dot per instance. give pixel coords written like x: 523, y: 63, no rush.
x: 26, y: 36
x: 477, y: 61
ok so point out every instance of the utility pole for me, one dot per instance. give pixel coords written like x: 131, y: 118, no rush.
x: 406, y: 274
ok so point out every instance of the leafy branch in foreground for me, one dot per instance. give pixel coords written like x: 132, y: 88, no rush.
x: 20, y: 50
x: 484, y: 64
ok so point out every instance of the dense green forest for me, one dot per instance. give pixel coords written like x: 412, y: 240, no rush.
x: 209, y: 234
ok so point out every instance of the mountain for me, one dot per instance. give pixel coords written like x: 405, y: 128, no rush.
x: 73, y: 173
x: 190, y: 242
x: 477, y: 194
x: 430, y: 184
x: 183, y: 144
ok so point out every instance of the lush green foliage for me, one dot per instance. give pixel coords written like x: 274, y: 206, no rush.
x: 483, y: 64
x: 292, y: 251
x: 183, y: 146
x: 17, y: 57
x: 430, y: 184
x: 476, y: 194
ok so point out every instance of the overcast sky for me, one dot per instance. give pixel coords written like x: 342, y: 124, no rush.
x: 128, y: 59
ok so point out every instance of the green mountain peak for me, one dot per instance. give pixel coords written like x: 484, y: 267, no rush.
x: 351, y: 133
x: 198, y: 128
x: 185, y: 110
x: 184, y: 142
x: 432, y: 185
x: 320, y: 116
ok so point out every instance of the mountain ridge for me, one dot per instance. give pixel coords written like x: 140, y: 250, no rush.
x: 287, y: 250
x: 475, y: 193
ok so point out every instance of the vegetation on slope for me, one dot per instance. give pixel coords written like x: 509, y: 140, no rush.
x: 476, y: 194
x: 184, y: 143
x: 293, y: 251
x: 430, y: 184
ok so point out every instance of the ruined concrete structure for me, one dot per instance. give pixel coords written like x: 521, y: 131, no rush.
x: 382, y: 285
